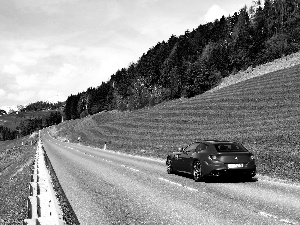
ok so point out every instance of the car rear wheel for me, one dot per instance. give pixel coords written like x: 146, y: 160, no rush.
x: 197, y: 171
x: 169, y: 167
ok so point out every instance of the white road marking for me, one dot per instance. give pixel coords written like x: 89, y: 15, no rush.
x: 288, y: 221
x: 268, y: 215
x: 171, y: 182
x: 177, y: 184
x: 136, y: 170
x: 191, y: 189
x: 128, y: 167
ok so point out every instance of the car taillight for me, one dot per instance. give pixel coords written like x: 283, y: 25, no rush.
x: 212, y: 157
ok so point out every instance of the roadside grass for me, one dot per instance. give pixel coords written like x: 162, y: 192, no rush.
x: 15, y: 162
x: 263, y: 113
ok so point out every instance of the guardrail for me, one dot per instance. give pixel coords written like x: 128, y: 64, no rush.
x: 42, y: 204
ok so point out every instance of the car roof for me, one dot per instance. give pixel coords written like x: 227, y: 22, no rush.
x: 216, y: 141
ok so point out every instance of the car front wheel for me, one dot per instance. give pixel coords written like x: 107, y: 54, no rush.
x: 197, y: 171
x: 169, y: 167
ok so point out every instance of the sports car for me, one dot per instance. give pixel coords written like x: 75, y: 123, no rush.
x: 213, y: 158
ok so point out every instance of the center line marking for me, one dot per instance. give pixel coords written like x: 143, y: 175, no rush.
x: 268, y: 215
x: 130, y: 168
x: 177, y: 184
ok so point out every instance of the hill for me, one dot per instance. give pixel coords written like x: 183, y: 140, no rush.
x: 22, y: 123
x: 198, y: 60
x: 13, y: 120
x: 262, y: 113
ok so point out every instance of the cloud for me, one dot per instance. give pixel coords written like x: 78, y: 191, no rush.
x: 22, y: 96
x: 64, y: 50
x: 66, y: 75
x: 43, y: 6
x: 11, y: 69
x: 23, y: 58
x: 26, y: 81
x: 22, y: 52
x: 2, y: 92
x: 51, y: 95
x: 213, y: 13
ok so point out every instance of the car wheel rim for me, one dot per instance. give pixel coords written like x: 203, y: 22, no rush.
x: 197, y: 171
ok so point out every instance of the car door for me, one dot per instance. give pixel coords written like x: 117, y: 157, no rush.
x: 187, y: 157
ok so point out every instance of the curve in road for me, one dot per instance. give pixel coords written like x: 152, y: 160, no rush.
x: 104, y: 187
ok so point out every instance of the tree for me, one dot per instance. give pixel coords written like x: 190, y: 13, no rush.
x: 241, y: 40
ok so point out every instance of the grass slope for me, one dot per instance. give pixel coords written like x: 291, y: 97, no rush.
x: 262, y: 113
x: 15, y: 162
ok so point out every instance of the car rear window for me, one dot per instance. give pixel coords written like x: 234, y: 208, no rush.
x: 230, y: 147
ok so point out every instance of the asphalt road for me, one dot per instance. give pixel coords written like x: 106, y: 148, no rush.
x: 105, y: 187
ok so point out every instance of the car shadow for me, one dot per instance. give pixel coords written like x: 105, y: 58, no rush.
x: 230, y: 180
x: 224, y: 179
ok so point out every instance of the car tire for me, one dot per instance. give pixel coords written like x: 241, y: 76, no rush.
x: 197, y: 171
x: 169, y: 166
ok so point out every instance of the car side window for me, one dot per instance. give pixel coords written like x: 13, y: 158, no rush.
x: 191, y: 147
x: 202, y: 147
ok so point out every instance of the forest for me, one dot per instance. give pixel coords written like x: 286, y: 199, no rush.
x: 40, y: 105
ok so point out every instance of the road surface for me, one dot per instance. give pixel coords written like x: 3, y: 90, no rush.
x: 104, y: 187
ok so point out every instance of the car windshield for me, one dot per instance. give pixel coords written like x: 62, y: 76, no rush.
x: 230, y: 147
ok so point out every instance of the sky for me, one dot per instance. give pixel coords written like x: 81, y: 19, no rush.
x: 52, y: 49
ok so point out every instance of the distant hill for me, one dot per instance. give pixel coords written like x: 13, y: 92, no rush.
x: 30, y: 118
x: 13, y: 120
x: 19, y: 124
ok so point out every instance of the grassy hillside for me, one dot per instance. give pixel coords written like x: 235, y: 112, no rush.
x: 262, y: 113
x: 15, y: 162
x: 13, y: 120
